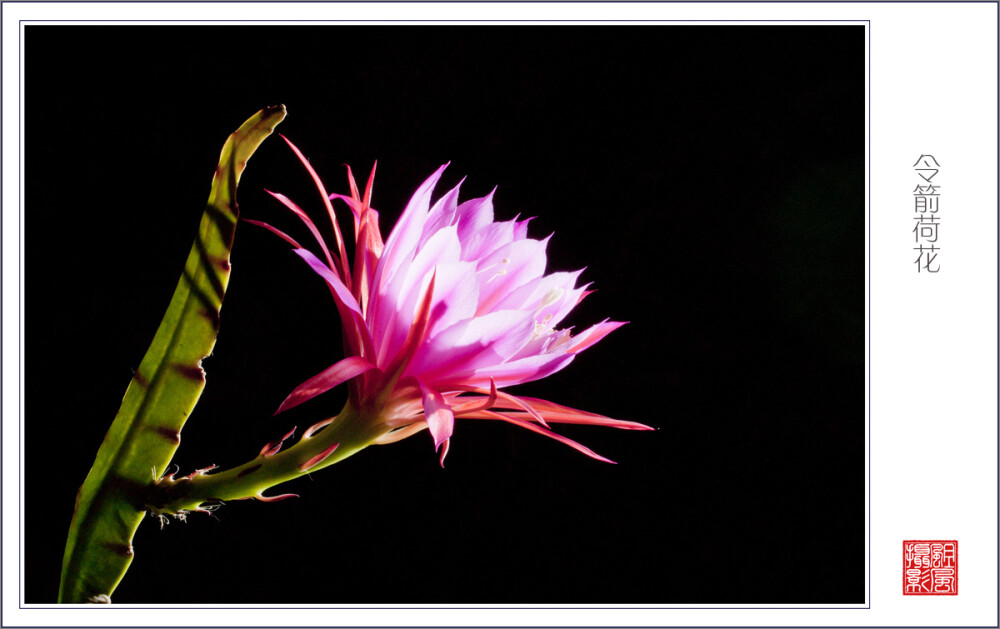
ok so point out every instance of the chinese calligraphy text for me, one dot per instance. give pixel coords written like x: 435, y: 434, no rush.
x: 930, y: 567
x: 927, y: 220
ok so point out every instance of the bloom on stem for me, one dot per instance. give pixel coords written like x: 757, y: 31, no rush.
x: 443, y: 315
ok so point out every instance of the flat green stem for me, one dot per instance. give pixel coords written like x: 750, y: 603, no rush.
x: 167, y: 385
x: 346, y: 434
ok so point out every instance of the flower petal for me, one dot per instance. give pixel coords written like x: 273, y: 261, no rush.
x: 396, y: 302
x: 440, y: 420
x: 552, y: 296
x: 473, y: 344
x: 369, y: 248
x: 508, y: 268
x: 545, y: 431
x: 336, y: 374
x: 274, y: 230
x: 441, y: 214
x: 288, y: 203
x: 415, y: 337
x: 559, y: 414
x: 329, y: 208
x: 591, y: 335
x: 406, y: 234
x: 474, y: 215
x: 522, y: 370
x: 340, y: 291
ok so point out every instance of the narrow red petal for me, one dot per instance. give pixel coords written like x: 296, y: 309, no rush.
x: 354, y: 204
x: 355, y: 329
x: 565, y: 415
x: 327, y: 379
x: 592, y: 335
x: 523, y: 404
x: 544, y: 431
x: 353, y: 184
x: 275, y: 231
x: 295, y: 209
x: 484, y: 404
x: 367, y: 201
x: 556, y: 418
x: 329, y: 208
x: 512, y: 401
x: 415, y: 336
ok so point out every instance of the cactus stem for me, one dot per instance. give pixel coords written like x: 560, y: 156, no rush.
x: 345, y: 434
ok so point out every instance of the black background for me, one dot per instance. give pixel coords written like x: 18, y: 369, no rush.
x: 710, y: 178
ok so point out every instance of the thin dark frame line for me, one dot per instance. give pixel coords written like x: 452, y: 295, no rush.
x: 470, y: 22
x: 607, y: 2
x: 865, y: 22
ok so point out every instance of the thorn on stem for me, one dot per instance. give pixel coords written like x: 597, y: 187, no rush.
x: 319, y: 458
x: 277, y: 498
x: 274, y: 447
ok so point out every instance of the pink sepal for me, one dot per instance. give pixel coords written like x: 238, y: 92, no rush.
x: 544, y: 431
x: 327, y: 379
x: 274, y: 230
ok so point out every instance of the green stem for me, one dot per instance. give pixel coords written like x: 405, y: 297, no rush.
x: 348, y: 433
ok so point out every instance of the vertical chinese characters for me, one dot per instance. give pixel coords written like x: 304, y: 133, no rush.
x: 926, y: 203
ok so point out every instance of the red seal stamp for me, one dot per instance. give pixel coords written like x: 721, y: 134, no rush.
x: 930, y: 567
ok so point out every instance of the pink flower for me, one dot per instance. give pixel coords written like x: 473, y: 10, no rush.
x: 442, y: 316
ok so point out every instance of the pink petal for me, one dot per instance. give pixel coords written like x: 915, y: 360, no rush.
x: 552, y: 294
x: 367, y: 200
x: 396, y: 303
x: 355, y: 331
x: 470, y: 406
x: 456, y: 295
x: 474, y: 215
x: 274, y: 230
x: 414, y: 338
x: 487, y: 240
x: 341, y: 292
x: 366, y: 255
x: 444, y: 450
x: 507, y: 269
x: 336, y: 374
x: 522, y: 370
x: 441, y: 214
x: 329, y: 208
x: 470, y: 345
x: 521, y: 229
x: 440, y: 420
x: 592, y: 335
x: 406, y: 234
x: 559, y: 414
x: 351, y: 202
x: 288, y: 203
x: 509, y: 401
x: 548, y: 433
x: 565, y: 414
